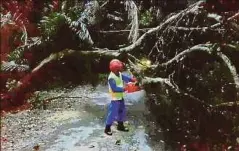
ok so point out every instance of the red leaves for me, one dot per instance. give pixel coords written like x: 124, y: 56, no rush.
x: 199, y: 146
x: 6, y: 33
x: 32, y: 30
x: 19, y: 10
x: 28, y: 83
x: 222, y: 5
x: 6, y: 106
x: 28, y: 56
x: 55, y: 4
x: 4, y: 96
x: 26, y: 80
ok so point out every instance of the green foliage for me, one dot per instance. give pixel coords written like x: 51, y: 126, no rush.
x: 146, y: 18
x: 71, y: 14
x: 103, y: 77
x: 38, y: 99
x: 74, y: 12
x: 16, y: 55
x: 51, y: 24
x: 71, y: 9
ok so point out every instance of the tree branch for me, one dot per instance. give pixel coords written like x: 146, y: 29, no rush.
x: 227, y: 104
x: 148, y: 80
x: 68, y: 52
x: 229, y: 19
x: 132, y: 10
x: 118, y: 31
x: 231, y: 68
x: 64, y: 97
x: 115, y: 18
x: 233, y: 17
x: 161, y: 26
x: 204, y: 48
x: 195, y: 28
x: 183, y: 54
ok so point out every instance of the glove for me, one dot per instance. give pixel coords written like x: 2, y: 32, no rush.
x: 125, y: 89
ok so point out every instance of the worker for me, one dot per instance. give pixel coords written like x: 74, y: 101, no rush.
x: 116, y: 110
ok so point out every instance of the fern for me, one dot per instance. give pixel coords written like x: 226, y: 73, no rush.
x: 12, y: 66
x: 91, y: 12
x: 89, y: 16
x: 132, y: 9
x: 146, y: 18
x: 50, y: 25
x: 17, y: 54
x: 84, y: 34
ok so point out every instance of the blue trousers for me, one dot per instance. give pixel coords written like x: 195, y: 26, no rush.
x: 116, y: 112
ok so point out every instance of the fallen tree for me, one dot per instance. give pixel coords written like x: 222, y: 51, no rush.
x: 193, y: 65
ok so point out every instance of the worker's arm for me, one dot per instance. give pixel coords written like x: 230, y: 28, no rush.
x: 127, y: 79
x: 113, y: 86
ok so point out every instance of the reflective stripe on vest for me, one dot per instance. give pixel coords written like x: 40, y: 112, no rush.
x: 119, y: 83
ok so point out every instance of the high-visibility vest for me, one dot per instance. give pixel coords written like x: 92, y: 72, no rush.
x: 119, y: 83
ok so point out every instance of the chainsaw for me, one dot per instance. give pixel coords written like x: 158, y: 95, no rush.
x: 132, y: 87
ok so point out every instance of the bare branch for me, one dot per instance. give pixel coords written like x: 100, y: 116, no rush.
x: 24, y: 35
x: 132, y: 9
x: 64, y: 97
x: 118, y: 31
x: 168, y: 21
x: 148, y: 80
x: 183, y: 54
x: 217, y: 17
x: 204, y: 48
x: 58, y: 56
x: 231, y: 68
x: 229, y: 19
x: 104, y: 4
x: 203, y: 29
x: 112, y: 53
x: 113, y: 17
x: 134, y: 67
x: 227, y: 104
x: 134, y: 58
x: 233, y: 17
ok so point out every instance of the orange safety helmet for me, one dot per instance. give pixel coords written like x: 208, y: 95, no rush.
x: 116, y: 65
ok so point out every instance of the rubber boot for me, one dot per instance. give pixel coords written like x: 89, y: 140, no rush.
x: 108, y: 130
x: 121, y: 127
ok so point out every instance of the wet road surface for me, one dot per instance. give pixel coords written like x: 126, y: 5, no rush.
x: 78, y: 125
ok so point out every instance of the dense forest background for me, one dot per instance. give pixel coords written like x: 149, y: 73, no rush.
x: 184, y: 53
